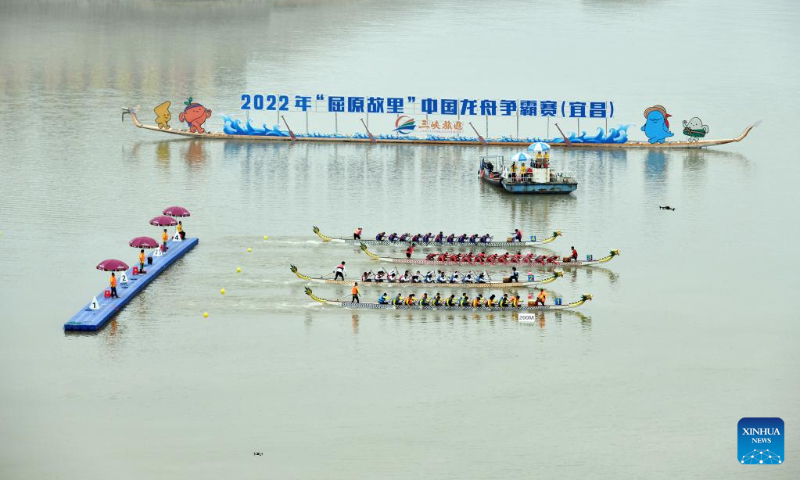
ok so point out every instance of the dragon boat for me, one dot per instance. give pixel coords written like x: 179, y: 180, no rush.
x: 378, y: 306
x: 468, y: 259
x: 289, y: 136
x: 524, y: 243
x: 501, y: 285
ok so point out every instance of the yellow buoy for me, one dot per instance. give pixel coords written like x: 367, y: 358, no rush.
x: 266, y: 237
x: 222, y: 291
x: 238, y: 269
x: 249, y: 249
x: 205, y: 314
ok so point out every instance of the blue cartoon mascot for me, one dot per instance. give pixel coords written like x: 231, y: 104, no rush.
x: 656, y: 127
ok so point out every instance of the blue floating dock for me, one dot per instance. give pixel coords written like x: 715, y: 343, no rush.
x: 92, y: 320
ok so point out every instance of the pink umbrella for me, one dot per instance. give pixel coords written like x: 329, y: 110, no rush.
x: 112, y: 265
x: 163, y: 221
x: 143, y: 242
x: 177, y: 212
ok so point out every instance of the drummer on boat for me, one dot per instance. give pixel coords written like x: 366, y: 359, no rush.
x: 514, y: 277
x: 410, y: 250
x: 357, y: 233
x: 572, y: 256
x: 541, y: 298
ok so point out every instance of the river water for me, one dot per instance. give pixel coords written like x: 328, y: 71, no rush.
x: 690, y: 329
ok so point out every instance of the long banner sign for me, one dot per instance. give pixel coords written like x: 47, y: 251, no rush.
x: 441, y: 106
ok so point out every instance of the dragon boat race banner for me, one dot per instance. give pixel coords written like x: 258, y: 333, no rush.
x: 416, y: 117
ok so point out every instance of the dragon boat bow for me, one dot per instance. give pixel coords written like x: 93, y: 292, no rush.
x: 500, y: 285
x: 534, y: 261
x: 378, y: 306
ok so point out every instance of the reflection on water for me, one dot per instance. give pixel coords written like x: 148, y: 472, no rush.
x: 195, y: 154
x: 162, y: 151
x: 655, y: 169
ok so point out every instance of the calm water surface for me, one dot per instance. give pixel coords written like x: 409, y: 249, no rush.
x: 692, y: 328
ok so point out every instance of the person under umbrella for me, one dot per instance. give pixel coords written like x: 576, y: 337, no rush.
x: 178, y: 212
x: 112, y: 265
x: 164, y: 221
x: 142, y: 243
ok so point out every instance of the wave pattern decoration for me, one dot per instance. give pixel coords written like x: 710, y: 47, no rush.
x: 234, y: 127
x: 614, y: 135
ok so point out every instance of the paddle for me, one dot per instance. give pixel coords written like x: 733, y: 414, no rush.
x: 566, y: 139
x: 371, y: 138
x: 480, y: 138
x: 291, y: 133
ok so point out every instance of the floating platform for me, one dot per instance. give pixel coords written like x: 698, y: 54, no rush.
x: 93, y: 320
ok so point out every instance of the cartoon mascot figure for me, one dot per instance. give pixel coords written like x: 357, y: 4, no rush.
x: 194, y: 115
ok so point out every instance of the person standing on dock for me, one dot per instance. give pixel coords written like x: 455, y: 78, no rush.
x: 354, y: 291
x: 179, y: 229
x: 141, y: 261
x: 513, y: 171
x: 357, y: 233
x: 164, y: 237
x: 113, y: 283
x: 340, y: 271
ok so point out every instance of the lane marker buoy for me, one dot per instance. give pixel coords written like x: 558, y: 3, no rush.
x: 205, y: 314
x: 238, y: 270
x: 222, y: 291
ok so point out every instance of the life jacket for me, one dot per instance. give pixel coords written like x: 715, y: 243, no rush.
x: 409, y: 301
x: 179, y: 228
x: 503, y: 302
x: 450, y: 301
x: 141, y: 257
x: 464, y: 301
x: 542, y: 296
x: 515, y: 302
x: 381, y: 300
x: 354, y: 291
x: 409, y: 250
x: 164, y: 237
x: 574, y: 254
x: 113, y: 281
x: 476, y: 303
x: 489, y: 302
x: 424, y: 301
x: 397, y: 300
